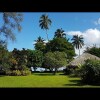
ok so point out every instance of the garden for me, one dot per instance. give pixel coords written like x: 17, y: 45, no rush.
x: 15, y: 65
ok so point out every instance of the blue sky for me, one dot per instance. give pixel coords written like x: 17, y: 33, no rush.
x: 87, y: 24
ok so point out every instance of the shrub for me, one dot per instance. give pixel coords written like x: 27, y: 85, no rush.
x: 90, y: 72
x: 70, y: 70
x: 25, y: 72
x: 2, y: 72
x: 67, y: 71
x: 18, y: 72
x: 8, y: 72
x: 13, y: 72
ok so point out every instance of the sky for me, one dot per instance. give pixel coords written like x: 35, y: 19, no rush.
x: 81, y: 23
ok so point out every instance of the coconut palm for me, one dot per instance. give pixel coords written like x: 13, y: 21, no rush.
x: 39, y: 40
x: 44, y: 23
x: 78, y: 42
x: 59, y: 33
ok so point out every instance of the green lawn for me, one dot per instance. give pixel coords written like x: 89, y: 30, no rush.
x: 41, y: 80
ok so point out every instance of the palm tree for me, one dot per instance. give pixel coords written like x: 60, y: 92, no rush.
x: 39, y: 40
x: 78, y: 42
x: 44, y: 23
x: 59, y: 33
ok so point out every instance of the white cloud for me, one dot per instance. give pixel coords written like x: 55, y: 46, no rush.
x: 46, y: 41
x: 91, y: 36
x: 97, y: 22
x: 74, y: 33
x: 33, y: 43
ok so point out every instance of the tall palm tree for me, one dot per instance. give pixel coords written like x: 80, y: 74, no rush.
x: 44, y: 23
x: 78, y: 42
x: 59, y: 33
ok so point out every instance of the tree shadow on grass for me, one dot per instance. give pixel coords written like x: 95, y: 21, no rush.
x: 62, y: 74
x: 75, y: 83
x: 43, y: 74
x: 80, y: 83
x: 2, y: 75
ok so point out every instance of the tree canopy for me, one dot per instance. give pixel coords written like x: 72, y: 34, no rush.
x: 78, y: 42
x: 94, y: 51
x: 61, y: 45
x: 11, y: 21
x: 55, y: 60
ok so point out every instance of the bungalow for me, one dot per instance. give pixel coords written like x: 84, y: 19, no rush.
x: 81, y: 59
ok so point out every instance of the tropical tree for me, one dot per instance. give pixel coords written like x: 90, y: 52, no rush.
x: 40, y: 44
x: 59, y: 33
x: 44, y: 23
x: 21, y: 57
x: 35, y: 58
x: 4, y: 57
x: 39, y: 40
x: 61, y: 45
x: 78, y: 42
x: 10, y: 21
x: 93, y: 50
x: 55, y: 60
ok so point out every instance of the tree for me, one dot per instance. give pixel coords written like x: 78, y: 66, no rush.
x: 55, y: 60
x: 61, y: 45
x: 93, y: 50
x: 11, y: 21
x: 40, y: 45
x: 90, y: 72
x: 59, y: 33
x: 44, y: 23
x: 35, y: 58
x: 39, y: 40
x: 21, y: 58
x: 4, y: 58
x: 78, y: 42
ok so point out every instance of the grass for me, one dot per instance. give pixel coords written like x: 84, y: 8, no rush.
x: 39, y: 80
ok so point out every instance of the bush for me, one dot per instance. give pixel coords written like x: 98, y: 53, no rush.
x: 25, y: 72
x: 8, y: 72
x: 70, y: 70
x: 13, y: 73
x: 18, y: 72
x: 67, y: 71
x: 90, y: 72
x: 2, y: 72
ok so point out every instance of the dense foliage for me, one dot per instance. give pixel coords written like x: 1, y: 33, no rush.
x: 61, y: 45
x: 70, y: 69
x: 55, y: 60
x: 20, y: 57
x: 90, y: 72
x: 94, y: 51
x: 40, y: 46
x: 4, y: 58
x: 35, y: 58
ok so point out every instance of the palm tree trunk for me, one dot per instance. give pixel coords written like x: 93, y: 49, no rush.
x: 47, y: 35
x: 79, y: 52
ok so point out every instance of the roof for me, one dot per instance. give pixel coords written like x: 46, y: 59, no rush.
x: 81, y: 59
